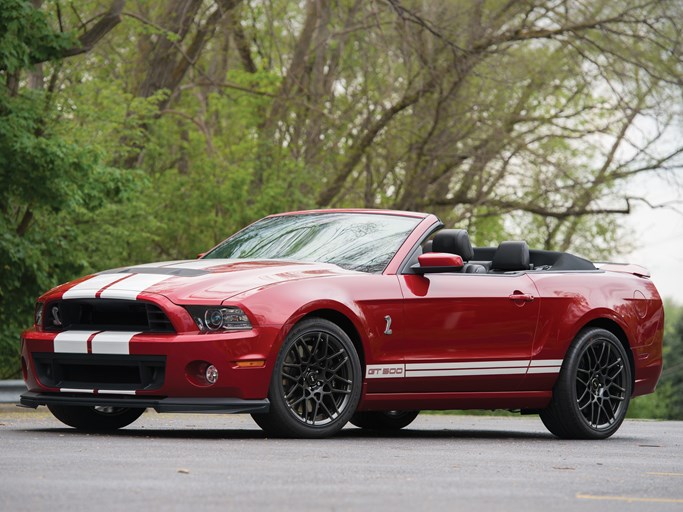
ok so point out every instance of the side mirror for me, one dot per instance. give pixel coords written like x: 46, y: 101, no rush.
x: 437, y: 262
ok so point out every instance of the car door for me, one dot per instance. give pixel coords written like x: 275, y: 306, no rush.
x: 467, y: 332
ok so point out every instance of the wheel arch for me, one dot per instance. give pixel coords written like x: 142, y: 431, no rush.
x: 610, y: 325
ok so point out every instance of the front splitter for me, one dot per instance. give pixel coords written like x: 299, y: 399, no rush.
x: 161, y: 404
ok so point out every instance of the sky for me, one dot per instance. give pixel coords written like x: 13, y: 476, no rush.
x: 658, y: 235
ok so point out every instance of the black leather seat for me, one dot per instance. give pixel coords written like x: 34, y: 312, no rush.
x: 457, y: 241
x: 511, y: 256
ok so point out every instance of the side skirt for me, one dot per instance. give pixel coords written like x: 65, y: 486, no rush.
x: 446, y: 401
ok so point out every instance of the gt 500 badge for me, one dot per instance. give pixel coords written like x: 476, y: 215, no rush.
x: 384, y: 371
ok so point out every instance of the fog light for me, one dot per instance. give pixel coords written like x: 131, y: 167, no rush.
x: 211, y: 374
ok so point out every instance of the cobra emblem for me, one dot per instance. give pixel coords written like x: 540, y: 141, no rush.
x: 387, y: 329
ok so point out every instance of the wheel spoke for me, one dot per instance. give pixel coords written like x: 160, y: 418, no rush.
x: 608, y: 417
x: 292, y: 390
x: 342, y: 363
x: 612, y: 384
x: 621, y: 368
x: 585, y: 392
x: 602, y: 352
x: 290, y: 377
x: 327, y: 411
x: 615, y: 362
x: 314, y: 416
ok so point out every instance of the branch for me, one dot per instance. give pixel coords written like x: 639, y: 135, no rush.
x: 230, y: 85
x: 411, y: 17
x: 525, y: 35
x: 106, y: 23
x: 199, y: 124
x: 359, y: 147
x: 520, y: 205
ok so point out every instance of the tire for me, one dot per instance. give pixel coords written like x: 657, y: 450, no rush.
x: 592, y: 393
x: 316, y: 383
x: 95, y: 418
x: 384, y: 420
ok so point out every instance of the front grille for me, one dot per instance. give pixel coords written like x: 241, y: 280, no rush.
x: 105, y: 315
x: 100, y: 371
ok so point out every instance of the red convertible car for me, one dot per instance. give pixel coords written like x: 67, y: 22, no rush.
x: 309, y: 320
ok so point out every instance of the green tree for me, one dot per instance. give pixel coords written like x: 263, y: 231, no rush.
x: 672, y: 374
x: 46, y: 180
x: 666, y: 402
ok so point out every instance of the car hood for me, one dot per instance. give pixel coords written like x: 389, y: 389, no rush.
x: 195, y: 281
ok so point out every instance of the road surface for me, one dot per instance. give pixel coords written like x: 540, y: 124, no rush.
x: 214, y: 462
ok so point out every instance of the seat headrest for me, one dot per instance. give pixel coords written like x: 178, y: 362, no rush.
x: 454, y: 241
x: 511, y: 256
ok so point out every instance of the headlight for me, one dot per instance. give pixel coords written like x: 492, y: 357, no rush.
x: 38, y: 317
x: 219, y: 318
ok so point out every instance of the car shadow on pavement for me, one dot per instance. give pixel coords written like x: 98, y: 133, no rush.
x: 348, y: 433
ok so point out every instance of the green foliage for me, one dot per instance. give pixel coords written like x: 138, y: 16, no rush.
x: 667, y: 401
x: 53, y: 188
x: 26, y: 37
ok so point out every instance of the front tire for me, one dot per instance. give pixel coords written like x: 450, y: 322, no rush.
x: 95, y: 418
x: 592, y: 393
x: 316, y: 383
x: 384, y: 420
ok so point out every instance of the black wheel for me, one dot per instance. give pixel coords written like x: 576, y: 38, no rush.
x: 316, y: 382
x: 95, y: 418
x: 593, y: 390
x: 384, y: 420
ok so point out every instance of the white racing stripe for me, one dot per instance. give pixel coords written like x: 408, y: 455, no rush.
x: 132, y: 287
x: 466, y: 365
x: 112, y: 342
x: 464, y: 373
x: 545, y: 366
x: 463, y: 368
x: 73, y: 342
x: 545, y: 369
x: 89, y: 288
x: 547, y: 362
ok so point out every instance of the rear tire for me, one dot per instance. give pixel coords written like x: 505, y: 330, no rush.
x: 592, y: 393
x: 95, y: 418
x: 316, y: 383
x: 384, y: 420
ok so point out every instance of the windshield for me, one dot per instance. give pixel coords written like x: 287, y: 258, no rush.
x: 354, y: 241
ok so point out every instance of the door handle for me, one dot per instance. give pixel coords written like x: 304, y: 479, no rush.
x: 521, y: 296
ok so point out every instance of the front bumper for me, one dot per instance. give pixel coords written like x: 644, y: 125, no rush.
x: 203, y: 405
x: 151, y: 367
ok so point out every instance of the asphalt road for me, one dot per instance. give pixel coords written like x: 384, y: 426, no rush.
x: 205, y: 462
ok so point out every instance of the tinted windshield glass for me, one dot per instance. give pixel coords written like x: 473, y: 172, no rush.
x: 364, y: 242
